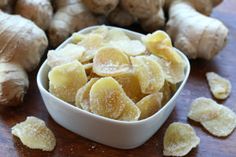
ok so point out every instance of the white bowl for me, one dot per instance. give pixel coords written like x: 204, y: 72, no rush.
x: 114, y: 133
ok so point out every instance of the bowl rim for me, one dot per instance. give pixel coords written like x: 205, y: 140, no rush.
x: 77, y: 109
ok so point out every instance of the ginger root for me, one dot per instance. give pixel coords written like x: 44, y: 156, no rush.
x: 121, y: 17
x: 21, y: 46
x: 154, y: 22
x: 38, y: 11
x: 13, y: 84
x: 103, y: 7
x: 149, y: 13
x: 3, y: 3
x: 197, y: 35
x: 72, y: 17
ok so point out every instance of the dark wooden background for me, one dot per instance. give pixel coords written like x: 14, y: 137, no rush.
x: 70, y: 144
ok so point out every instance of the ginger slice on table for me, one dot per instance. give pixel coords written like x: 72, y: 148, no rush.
x: 179, y: 139
x: 203, y: 109
x: 219, y: 120
x: 34, y: 134
x: 223, y: 125
x: 219, y: 86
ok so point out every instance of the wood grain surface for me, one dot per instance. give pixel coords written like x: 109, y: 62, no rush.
x: 70, y: 144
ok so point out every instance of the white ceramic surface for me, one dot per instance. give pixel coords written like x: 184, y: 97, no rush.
x: 114, y: 133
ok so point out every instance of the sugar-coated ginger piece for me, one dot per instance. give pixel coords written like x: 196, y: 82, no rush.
x: 203, y: 109
x: 115, y: 34
x: 159, y: 44
x: 107, y: 98
x: 179, y: 139
x: 217, y: 119
x: 223, y: 125
x: 82, y: 96
x: 34, y: 134
x: 150, y: 104
x: 110, y: 61
x: 156, y: 40
x: 130, y: 47
x: 149, y: 72
x: 130, y: 113
x: 91, y: 42
x: 130, y: 83
x: 66, y: 79
x: 64, y: 55
x: 174, y: 71
x: 219, y: 86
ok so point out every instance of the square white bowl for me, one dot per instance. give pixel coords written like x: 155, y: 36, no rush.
x: 114, y: 133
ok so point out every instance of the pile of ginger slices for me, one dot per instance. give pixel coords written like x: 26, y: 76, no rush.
x: 112, y: 75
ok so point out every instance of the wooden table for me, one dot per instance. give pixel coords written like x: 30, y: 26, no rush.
x: 70, y: 144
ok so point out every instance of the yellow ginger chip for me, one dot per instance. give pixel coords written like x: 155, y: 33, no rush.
x: 76, y: 38
x: 203, y: 109
x: 150, y: 104
x: 66, y: 79
x: 34, y: 134
x: 66, y: 54
x: 171, y: 55
x: 102, y: 30
x: 110, y: 61
x: 149, y: 73
x: 159, y: 44
x: 107, y: 98
x: 130, y: 83
x: 115, y: 34
x: 174, y: 72
x: 130, y: 47
x: 179, y: 139
x: 157, y: 40
x: 217, y: 119
x: 82, y: 96
x: 91, y: 43
x: 130, y: 113
x: 223, y: 124
x: 219, y: 86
